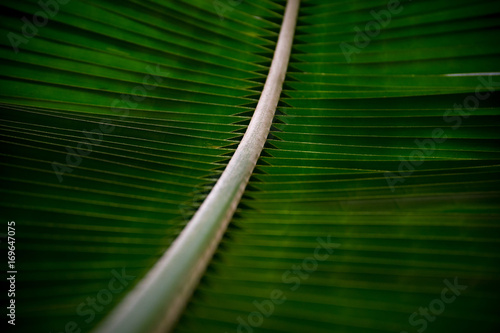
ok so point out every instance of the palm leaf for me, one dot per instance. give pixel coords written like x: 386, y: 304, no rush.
x: 341, y: 128
x: 118, y: 208
x: 335, y: 168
